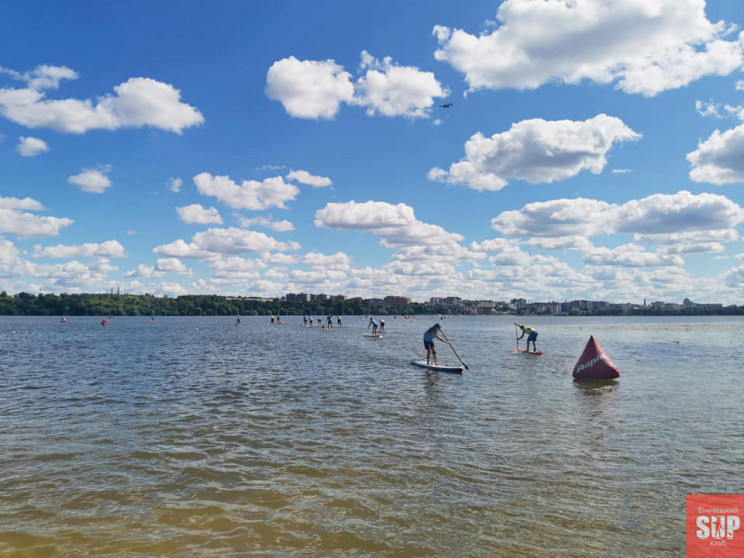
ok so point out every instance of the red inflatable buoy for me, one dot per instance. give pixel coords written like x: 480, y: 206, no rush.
x: 594, y: 363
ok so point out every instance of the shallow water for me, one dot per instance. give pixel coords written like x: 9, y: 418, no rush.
x: 193, y: 437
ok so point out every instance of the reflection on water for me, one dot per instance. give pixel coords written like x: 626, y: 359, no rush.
x: 193, y: 437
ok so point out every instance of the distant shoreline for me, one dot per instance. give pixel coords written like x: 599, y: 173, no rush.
x: 25, y: 304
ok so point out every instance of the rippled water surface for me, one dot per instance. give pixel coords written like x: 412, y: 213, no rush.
x: 192, y: 437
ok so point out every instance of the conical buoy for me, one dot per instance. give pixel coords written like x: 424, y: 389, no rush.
x: 594, y: 364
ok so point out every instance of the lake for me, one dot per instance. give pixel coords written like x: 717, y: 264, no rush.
x: 193, y: 437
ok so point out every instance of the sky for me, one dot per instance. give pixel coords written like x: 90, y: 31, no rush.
x: 548, y: 150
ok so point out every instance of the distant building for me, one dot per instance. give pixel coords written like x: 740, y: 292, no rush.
x: 395, y: 302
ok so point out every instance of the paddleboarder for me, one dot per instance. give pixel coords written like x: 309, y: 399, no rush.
x: 531, y: 332
x: 374, y: 324
x: 429, y: 336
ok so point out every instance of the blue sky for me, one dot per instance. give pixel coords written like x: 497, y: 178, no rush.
x: 588, y: 149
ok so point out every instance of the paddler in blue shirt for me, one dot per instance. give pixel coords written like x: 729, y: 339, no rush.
x: 429, y: 336
x: 372, y: 323
x: 532, y: 336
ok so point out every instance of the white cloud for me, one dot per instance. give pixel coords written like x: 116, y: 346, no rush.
x: 720, y: 158
x: 28, y: 204
x: 27, y: 225
x: 663, y: 214
x: 145, y: 272
x: 536, y: 151
x: 210, y: 244
x: 237, y: 269
x: 555, y: 218
x: 181, y: 249
x: 630, y: 255
x: 174, y: 184
x: 250, y: 194
x: 396, y: 225
x: 278, y: 226
x: 680, y: 223
x: 108, y: 249
x: 337, y: 262
x: 304, y: 177
x: 316, y: 89
x: 308, y: 88
x: 160, y: 269
x: 92, y: 180
x: 644, y: 47
x: 195, y: 214
x: 392, y: 90
x: 173, y: 265
x: 135, y: 103
x: 31, y: 147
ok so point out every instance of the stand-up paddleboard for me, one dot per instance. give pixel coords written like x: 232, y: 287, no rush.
x: 594, y: 363
x: 437, y: 367
x: 520, y: 350
x: 375, y: 335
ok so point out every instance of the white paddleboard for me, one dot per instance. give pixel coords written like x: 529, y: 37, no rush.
x: 437, y: 367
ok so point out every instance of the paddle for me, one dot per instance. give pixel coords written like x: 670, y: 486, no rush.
x: 516, y: 334
x: 453, y: 350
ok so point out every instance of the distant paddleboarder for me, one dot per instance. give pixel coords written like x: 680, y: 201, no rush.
x: 532, y: 336
x: 429, y: 336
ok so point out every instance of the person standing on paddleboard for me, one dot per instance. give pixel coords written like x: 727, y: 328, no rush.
x: 372, y: 323
x: 532, y: 336
x: 429, y: 336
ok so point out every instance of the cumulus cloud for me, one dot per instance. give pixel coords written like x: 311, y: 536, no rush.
x: 210, y: 244
x: 22, y: 224
x: 678, y: 223
x: 337, y: 262
x: 643, y: 47
x: 108, y: 249
x: 631, y: 255
x: 304, y: 177
x: 160, y: 269
x: 236, y: 269
x: 135, y: 103
x: 396, y: 225
x: 250, y: 194
x: 720, y: 158
x: 29, y: 204
x: 537, y: 151
x: 278, y: 226
x: 316, y: 89
x: 392, y: 90
x: 31, y: 147
x: 92, y: 180
x: 173, y: 265
x: 309, y: 88
x: 195, y: 214
x: 174, y: 184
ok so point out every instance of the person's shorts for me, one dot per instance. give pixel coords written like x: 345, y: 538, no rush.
x: 532, y: 337
x: 428, y: 344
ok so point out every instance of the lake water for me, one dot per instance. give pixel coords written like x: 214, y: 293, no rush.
x: 192, y: 437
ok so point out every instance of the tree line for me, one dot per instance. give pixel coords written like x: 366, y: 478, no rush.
x: 26, y: 304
